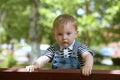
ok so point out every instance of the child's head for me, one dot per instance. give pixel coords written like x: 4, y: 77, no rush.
x: 65, y: 30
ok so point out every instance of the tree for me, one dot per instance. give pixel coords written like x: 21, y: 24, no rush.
x: 16, y: 19
x: 34, y: 32
x: 33, y: 21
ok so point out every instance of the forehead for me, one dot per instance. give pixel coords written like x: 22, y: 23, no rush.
x: 65, y: 28
x: 65, y: 24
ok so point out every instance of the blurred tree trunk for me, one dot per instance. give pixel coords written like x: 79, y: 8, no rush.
x: 34, y: 32
x: 2, y: 17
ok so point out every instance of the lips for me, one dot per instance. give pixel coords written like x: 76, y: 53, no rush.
x: 65, y: 43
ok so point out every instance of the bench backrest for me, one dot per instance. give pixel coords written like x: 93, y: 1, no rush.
x: 21, y: 74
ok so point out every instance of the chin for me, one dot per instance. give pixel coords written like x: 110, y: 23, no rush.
x: 65, y: 46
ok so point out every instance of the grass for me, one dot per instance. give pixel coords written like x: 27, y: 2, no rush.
x: 95, y: 67
x: 106, y: 67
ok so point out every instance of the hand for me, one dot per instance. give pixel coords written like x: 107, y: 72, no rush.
x: 32, y: 68
x: 86, y: 70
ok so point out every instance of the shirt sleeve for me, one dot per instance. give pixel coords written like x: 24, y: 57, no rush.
x: 84, y: 48
x: 50, y: 52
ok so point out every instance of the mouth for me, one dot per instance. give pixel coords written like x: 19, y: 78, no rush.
x: 64, y: 42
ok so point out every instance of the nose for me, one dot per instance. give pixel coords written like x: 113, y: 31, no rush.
x: 64, y: 36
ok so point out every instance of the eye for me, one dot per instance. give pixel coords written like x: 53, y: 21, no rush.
x: 68, y: 33
x: 59, y: 34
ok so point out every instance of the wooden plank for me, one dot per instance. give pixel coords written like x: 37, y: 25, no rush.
x: 57, y: 74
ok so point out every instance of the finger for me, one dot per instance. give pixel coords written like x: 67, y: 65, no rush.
x: 32, y: 68
x: 27, y: 68
x: 83, y: 71
x: 88, y: 72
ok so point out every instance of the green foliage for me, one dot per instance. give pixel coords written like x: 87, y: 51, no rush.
x: 14, y: 21
x: 9, y: 61
x: 116, y: 61
x: 91, y: 24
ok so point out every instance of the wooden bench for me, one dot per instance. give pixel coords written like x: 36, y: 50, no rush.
x: 21, y: 74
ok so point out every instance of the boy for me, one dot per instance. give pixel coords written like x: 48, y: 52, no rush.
x: 67, y: 53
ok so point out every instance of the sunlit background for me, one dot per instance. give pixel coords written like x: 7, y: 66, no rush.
x: 26, y: 29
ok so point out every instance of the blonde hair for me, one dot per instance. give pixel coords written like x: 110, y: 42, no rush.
x: 64, y: 19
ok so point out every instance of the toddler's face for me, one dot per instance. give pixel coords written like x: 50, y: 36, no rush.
x: 65, y: 35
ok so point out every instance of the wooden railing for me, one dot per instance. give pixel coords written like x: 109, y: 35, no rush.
x: 21, y: 74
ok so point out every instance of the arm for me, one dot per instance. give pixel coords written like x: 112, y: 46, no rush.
x: 87, y: 68
x: 39, y: 63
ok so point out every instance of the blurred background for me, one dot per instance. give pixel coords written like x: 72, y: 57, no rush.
x: 26, y: 29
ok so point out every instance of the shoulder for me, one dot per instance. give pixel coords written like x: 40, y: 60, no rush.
x: 79, y: 44
x: 82, y: 47
x: 53, y: 47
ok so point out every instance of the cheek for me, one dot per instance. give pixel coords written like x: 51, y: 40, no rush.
x: 57, y: 38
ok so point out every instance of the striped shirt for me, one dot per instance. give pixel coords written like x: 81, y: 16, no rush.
x: 55, y: 50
